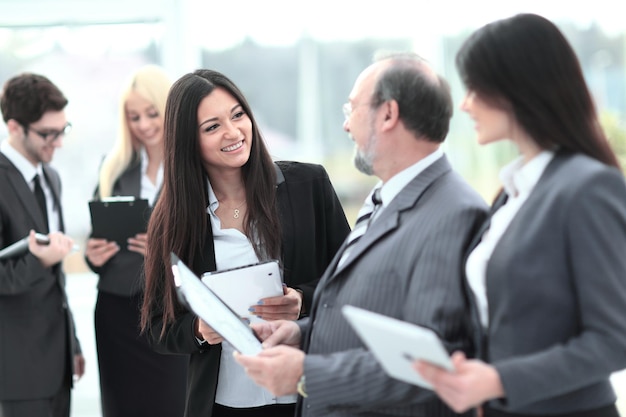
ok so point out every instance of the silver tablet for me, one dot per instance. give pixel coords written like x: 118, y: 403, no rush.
x: 210, y: 308
x: 244, y: 286
x: 396, y: 344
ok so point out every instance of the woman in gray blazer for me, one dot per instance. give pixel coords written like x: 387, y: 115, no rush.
x: 134, y: 380
x: 547, y: 276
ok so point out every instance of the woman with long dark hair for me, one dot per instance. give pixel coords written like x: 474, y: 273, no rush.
x: 547, y: 274
x: 224, y: 204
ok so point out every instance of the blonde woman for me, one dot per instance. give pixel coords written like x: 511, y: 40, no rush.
x: 134, y: 380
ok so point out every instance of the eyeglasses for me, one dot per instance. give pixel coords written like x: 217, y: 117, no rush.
x: 348, y: 109
x: 50, y: 135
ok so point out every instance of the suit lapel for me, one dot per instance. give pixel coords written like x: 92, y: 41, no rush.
x: 498, y: 202
x: 22, y: 191
x: 55, y: 185
x: 542, y: 188
x: 286, y: 218
x: 131, y: 184
x: 478, y: 331
x: 387, y: 222
x: 537, y: 192
x: 389, y: 219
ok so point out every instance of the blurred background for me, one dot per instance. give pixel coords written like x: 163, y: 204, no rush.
x: 295, y: 61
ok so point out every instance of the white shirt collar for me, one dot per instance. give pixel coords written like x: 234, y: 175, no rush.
x: 213, y: 203
x: 519, y: 178
x: 144, y: 165
x: 149, y: 190
x: 143, y: 157
x: 22, y: 164
x: 396, y: 183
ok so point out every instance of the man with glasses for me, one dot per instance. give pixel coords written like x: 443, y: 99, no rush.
x: 403, y: 261
x: 39, y: 351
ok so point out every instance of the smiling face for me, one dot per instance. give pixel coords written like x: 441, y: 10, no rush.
x: 30, y: 144
x: 144, y: 121
x: 492, y: 123
x: 224, y: 131
x: 360, y: 123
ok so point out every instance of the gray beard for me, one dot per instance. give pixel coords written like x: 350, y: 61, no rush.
x: 363, y: 163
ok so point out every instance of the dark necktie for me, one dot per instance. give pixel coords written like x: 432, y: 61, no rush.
x: 41, y: 201
x: 362, y: 223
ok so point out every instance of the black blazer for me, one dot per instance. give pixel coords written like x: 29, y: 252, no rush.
x: 123, y: 274
x: 36, y: 350
x: 557, y: 294
x: 314, y: 227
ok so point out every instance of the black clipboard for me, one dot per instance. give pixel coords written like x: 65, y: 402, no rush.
x: 118, y: 218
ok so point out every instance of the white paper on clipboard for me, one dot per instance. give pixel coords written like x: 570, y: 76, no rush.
x: 210, y: 308
x: 244, y: 286
x: 396, y: 343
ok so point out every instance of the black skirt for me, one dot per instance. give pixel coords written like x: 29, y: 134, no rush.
x: 607, y: 411
x: 276, y: 410
x: 134, y: 380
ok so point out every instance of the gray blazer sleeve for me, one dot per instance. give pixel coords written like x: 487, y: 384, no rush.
x: 594, y: 243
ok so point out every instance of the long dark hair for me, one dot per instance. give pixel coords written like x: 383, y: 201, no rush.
x: 524, y: 64
x: 179, y: 221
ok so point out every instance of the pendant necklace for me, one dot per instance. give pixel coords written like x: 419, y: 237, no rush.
x: 236, y: 210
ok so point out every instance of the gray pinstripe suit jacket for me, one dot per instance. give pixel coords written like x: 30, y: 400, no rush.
x: 408, y: 265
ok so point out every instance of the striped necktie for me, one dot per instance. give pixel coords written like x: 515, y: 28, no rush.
x: 365, y: 215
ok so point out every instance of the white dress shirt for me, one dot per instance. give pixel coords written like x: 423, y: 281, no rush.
x: 149, y: 190
x: 28, y: 171
x: 518, y: 180
x: 395, y: 184
x: 388, y: 192
x: 234, y: 387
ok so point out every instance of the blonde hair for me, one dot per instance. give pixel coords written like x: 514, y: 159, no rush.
x: 153, y: 84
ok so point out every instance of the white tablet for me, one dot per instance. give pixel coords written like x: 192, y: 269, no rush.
x: 396, y: 344
x: 210, y: 308
x: 244, y: 286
